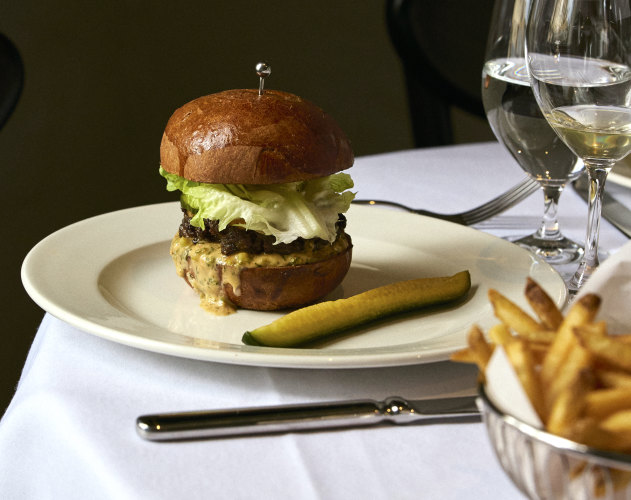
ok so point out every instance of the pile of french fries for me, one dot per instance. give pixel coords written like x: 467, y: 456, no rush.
x: 576, y: 374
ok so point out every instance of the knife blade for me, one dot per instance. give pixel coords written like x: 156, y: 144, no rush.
x: 311, y: 416
x: 612, y: 210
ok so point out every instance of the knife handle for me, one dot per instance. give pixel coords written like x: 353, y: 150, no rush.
x: 310, y: 416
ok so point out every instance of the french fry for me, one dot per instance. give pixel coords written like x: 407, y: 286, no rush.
x: 619, y: 424
x: 563, y: 415
x: 543, y: 305
x: 464, y: 356
x: 582, y: 311
x: 605, y: 479
x: 539, y: 352
x: 512, y: 315
x: 500, y: 334
x: 588, y: 431
x: 604, y: 402
x: 612, y: 377
x: 577, y: 360
x: 598, y: 329
x: 539, y: 336
x: 522, y: 360
x: 480, y: 348
x: 618, y: 478
x: 606, y: 348
x: 568, y: 407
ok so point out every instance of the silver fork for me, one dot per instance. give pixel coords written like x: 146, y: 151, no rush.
x: 469, y: 217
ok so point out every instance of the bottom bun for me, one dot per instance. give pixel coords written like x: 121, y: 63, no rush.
x: 273, y: 288
x: 248, y: 281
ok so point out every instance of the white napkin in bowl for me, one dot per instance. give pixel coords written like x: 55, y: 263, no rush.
x: 612, y: 282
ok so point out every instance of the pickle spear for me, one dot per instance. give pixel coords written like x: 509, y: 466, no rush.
x: 325, y: 318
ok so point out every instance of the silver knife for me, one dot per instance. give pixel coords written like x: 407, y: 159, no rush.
x: 612, y: 210
x: 302, y: 417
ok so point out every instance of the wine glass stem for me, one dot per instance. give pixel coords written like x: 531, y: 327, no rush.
x: 597, y: 173
x: 549, y: 229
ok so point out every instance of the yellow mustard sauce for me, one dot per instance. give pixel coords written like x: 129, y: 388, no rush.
x: 207, y: 270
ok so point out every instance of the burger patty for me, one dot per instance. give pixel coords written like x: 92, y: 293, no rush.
x: 234, y: 239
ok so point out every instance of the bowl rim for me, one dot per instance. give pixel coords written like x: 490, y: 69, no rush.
x: 610, y: 458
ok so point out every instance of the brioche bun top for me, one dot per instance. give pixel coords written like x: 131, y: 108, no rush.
x: 241, y: 137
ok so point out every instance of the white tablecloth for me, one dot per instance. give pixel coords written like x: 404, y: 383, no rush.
x: 69, y: 431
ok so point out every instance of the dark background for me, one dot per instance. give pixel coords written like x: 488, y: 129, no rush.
x: 102, y: 79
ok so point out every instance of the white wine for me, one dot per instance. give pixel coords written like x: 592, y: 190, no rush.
x: 587, y: 101
x: 594, y: 132
x: 518, y: 123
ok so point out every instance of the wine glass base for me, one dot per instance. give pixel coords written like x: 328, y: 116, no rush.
x: 582, y: 275
x: 556, y: 252
x: 575, y: 283
x: 576, y: 276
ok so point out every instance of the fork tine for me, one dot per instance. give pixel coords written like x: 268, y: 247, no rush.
x: 485, y: 211
x: 490, y: 210
x: 500, y: 202
x: 503, y: 202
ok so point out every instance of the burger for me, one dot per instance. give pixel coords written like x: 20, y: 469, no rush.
x: 263, y: 199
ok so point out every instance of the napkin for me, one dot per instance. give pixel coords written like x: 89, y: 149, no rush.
x: 612, y: 282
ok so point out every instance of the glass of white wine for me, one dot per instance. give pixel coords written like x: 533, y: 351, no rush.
x: 518, y: 123
x: 578, y: 55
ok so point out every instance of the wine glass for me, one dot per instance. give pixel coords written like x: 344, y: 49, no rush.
x: 519, y: 125
x: 578, y: 59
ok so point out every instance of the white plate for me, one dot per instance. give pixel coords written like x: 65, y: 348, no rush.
x: 112, y: 276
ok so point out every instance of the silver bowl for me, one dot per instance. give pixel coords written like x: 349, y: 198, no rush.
x: 545, y: 466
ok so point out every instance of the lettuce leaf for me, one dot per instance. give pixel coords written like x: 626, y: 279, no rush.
x: 307, y: 209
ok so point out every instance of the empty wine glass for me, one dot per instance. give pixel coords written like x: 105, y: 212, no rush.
x: 578, y: 60
x: 518, y: 123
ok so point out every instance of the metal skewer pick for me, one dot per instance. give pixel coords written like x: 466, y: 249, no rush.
x: 263, y: 70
